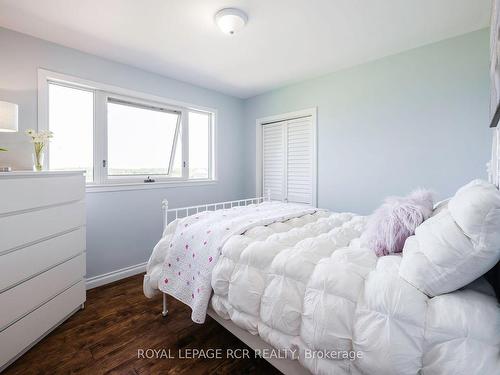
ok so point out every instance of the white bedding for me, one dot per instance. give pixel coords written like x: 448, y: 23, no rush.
x: 195, y: 244
x: 308, y: 286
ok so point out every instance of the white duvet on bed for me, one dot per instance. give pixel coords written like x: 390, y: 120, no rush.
x: 308, y: 286
x: 196, y: 241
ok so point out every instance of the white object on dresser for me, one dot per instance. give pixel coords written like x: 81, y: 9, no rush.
x: 42, y: 256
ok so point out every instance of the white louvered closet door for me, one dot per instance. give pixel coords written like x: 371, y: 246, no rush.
x: 273, y: 149
x: 299, y: 160
x: 288, y: 148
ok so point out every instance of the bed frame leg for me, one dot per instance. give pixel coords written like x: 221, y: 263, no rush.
x: 165, y: 306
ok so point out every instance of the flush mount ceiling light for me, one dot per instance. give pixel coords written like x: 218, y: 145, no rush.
x: 230, y: 20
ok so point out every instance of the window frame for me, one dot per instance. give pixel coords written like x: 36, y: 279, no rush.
x: 117, y: 179
x: 102, y: 92
x: 211, y: 140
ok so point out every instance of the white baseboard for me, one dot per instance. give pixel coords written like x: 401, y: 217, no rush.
x: 95, y: 281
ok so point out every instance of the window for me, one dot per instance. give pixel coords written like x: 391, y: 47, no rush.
x: 141, y: 140
x: 71, y: 117
x: 119, y: 137
x: 199, y: 145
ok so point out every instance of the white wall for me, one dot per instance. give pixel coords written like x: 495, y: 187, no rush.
x: 122, y: 227
x: 419, y: 118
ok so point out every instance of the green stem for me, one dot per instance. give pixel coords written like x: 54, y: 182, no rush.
x: 38, y: 154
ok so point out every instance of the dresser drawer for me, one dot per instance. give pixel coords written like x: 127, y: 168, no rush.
x: 23, y: 263
x: 28, y: 193
x: 25, y: 297
x: 26, y: 331
x: 17, y: 230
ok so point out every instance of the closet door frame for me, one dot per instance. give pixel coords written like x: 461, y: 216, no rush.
x: 258, y: 149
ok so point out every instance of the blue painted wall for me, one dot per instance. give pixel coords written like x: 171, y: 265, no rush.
x: 419, y: 118
x: 414, y: 119
x: 122, y: 227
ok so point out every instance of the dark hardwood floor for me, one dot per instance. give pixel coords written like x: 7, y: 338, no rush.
x: 104, y: 338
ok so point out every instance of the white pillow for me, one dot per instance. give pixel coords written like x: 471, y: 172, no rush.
x: 440, y: 206
x: 457, y: 245
x: 476, y: 209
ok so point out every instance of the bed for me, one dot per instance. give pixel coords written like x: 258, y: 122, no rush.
x: 301, y: 282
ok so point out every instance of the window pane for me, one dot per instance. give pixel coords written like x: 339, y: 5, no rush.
x: 71, y: 118
x: 139, y: 140
x: 199, y: 142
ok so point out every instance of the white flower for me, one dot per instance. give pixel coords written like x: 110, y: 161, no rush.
x: 41, y: 137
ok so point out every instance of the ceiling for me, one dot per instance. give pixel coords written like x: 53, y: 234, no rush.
x: 285, y: 41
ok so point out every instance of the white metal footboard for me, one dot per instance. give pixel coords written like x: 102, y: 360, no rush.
x: 170, y: 214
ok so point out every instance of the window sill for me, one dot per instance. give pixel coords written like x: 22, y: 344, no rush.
x: 146, y: 186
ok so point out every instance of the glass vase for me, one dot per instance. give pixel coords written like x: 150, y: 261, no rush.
x: 37, y: 161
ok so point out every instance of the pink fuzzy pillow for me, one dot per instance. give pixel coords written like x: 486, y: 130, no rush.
x: 396, y: 220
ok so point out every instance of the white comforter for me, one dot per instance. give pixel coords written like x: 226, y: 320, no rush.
x: 195, y: 243
x: 309, y: 287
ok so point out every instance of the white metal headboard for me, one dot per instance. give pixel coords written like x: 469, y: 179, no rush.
x: 170, y: 214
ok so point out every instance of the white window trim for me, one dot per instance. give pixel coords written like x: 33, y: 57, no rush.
x: 313, y: 112
x: 93, y: 188
x: 101, y: 91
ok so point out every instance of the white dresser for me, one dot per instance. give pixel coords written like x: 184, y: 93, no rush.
x: 42, y: 256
